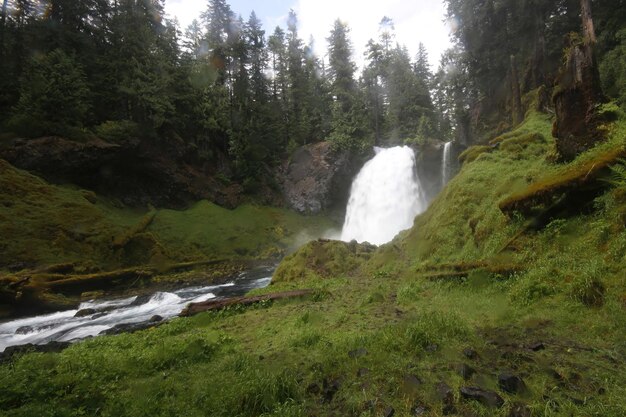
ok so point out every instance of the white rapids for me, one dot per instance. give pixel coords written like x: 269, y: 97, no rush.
x: 63, y: 326
x: 385, y: 197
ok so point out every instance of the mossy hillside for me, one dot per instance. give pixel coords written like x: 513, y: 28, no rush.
x: 43, y: 224
x: 319, y: 259
x: 207, y: 230
x: 47, y: 224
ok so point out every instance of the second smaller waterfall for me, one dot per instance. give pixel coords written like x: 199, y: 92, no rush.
x: 446, y: 166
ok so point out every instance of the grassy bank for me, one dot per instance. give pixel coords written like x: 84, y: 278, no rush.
x: 468, y: 294
x: 50, y: 224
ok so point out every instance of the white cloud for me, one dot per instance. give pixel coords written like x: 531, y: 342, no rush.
x: 415, y: 21
x: 185, y: 11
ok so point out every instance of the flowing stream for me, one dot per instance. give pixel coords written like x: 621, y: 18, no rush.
x: 385, y: 197
x: 63, y: 326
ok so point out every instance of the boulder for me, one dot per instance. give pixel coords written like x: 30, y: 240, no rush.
x: 85, y: 312
x: 318, y: 178
x: 10, y: 351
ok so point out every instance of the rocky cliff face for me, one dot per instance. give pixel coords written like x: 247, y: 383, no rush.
x: 317, y: 178
x: 135, y: 172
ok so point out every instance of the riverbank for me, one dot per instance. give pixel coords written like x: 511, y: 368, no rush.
x: 67, y: 241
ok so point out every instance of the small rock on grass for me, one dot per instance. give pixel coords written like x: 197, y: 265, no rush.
x: 485, y: 397
x: 511, y: 383
x: 445, y: 394
x: 389, y: 412
x: 357, y: 353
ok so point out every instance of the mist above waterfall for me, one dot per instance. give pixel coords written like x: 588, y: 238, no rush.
x: 385, y: 197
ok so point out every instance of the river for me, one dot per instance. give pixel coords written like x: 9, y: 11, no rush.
x: 104, y: 314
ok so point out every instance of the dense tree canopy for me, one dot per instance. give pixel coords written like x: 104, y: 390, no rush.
x: 229, y: 86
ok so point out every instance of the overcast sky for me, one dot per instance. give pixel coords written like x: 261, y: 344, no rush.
x: 415, y: 21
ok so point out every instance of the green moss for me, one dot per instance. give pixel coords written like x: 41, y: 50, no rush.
x: 472, y: 153
x: 206, y: 230
x: 318, y: 259
x: 50, y: 224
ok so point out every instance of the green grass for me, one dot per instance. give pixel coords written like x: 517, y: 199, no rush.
x: 376, y: 320
x: 207, y: 230
x: 46, y: 224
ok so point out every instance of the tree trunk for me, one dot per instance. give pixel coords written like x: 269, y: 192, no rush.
x: 4, y: 21
x: 578, y: 94
x: 589, y: 33
x: 516, y: 97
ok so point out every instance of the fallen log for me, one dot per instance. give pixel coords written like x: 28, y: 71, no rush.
x: 213, y: 305
x: 570, y: 179
x: 457, y: 274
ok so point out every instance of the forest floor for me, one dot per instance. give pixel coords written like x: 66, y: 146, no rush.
x: 472, y: 312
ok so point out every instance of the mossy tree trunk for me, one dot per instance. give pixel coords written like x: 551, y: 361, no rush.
x: 578, y: 94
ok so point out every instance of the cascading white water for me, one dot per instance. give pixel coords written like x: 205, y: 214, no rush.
x: 385, y: 197
x: 446, y: 164
x: 66, y: 326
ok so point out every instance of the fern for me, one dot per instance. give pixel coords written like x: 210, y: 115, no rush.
x: 617, y: 177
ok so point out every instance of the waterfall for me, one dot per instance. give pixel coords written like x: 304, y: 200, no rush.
x: 446, y: 164
x: 385, y: 197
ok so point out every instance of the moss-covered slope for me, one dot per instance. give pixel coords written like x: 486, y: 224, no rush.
x: 43, y: 224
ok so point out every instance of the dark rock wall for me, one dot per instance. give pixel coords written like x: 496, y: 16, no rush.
x: 317, y: 178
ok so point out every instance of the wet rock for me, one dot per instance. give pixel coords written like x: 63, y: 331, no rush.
x: 511, y: 383
x: 317, y: 178
x: 357, y: 353
x: 485, y: 397
x: 389, y: 412
x: 465, y: 371
x: 155, y: 319
x: 51, y: 347
x: 330, y: 388
x: 536, y: 347
x: 362, y: 372
x: 129, y: 328
x: 470, y: 353
x: 418, y: 410
x: 85, y: 312
x: 519, y: 410
x: 446, y: 396
x: 140, y: 300
x: 24, y: 330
